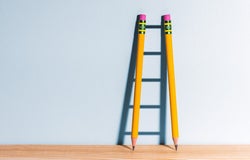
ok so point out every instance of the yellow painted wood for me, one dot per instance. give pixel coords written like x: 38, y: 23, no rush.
x: 138, y: 84
x: 115, y: 152
x: 171, y: 82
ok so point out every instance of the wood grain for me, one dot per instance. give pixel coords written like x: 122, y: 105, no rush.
x: 119, y: 152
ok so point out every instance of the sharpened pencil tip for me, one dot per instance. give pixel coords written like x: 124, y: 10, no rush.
x: 133, y: 148
x: 176, y: 147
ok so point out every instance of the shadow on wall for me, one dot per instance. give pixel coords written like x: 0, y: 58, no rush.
x: 163, y: 88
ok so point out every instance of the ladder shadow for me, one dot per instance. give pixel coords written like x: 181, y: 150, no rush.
x: 129, y: 87
x: 128, y: 90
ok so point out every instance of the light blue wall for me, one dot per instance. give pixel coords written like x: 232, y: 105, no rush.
x: 64, y: 64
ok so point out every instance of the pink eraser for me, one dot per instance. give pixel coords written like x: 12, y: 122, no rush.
x: 142, y: 17
x: 167, y: 17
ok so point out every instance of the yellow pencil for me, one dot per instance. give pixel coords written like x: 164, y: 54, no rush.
x: 138, y: 79
x: 171, y: 79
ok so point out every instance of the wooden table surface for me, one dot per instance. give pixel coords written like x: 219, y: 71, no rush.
x: 123, y: 152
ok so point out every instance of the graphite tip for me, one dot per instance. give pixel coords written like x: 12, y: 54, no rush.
x: 133, y: 148
x: 176, y: 147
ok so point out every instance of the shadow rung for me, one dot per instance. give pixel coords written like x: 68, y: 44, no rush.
x: 153, y: 26
x: 147, y: 106
x: 150, y: 79
x: 152, y: 53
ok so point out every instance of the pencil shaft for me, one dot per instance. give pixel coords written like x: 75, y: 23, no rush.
x: 138, y: 84
x: 171, y: 77
x: 172, y: 90
x: 138, y: 78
